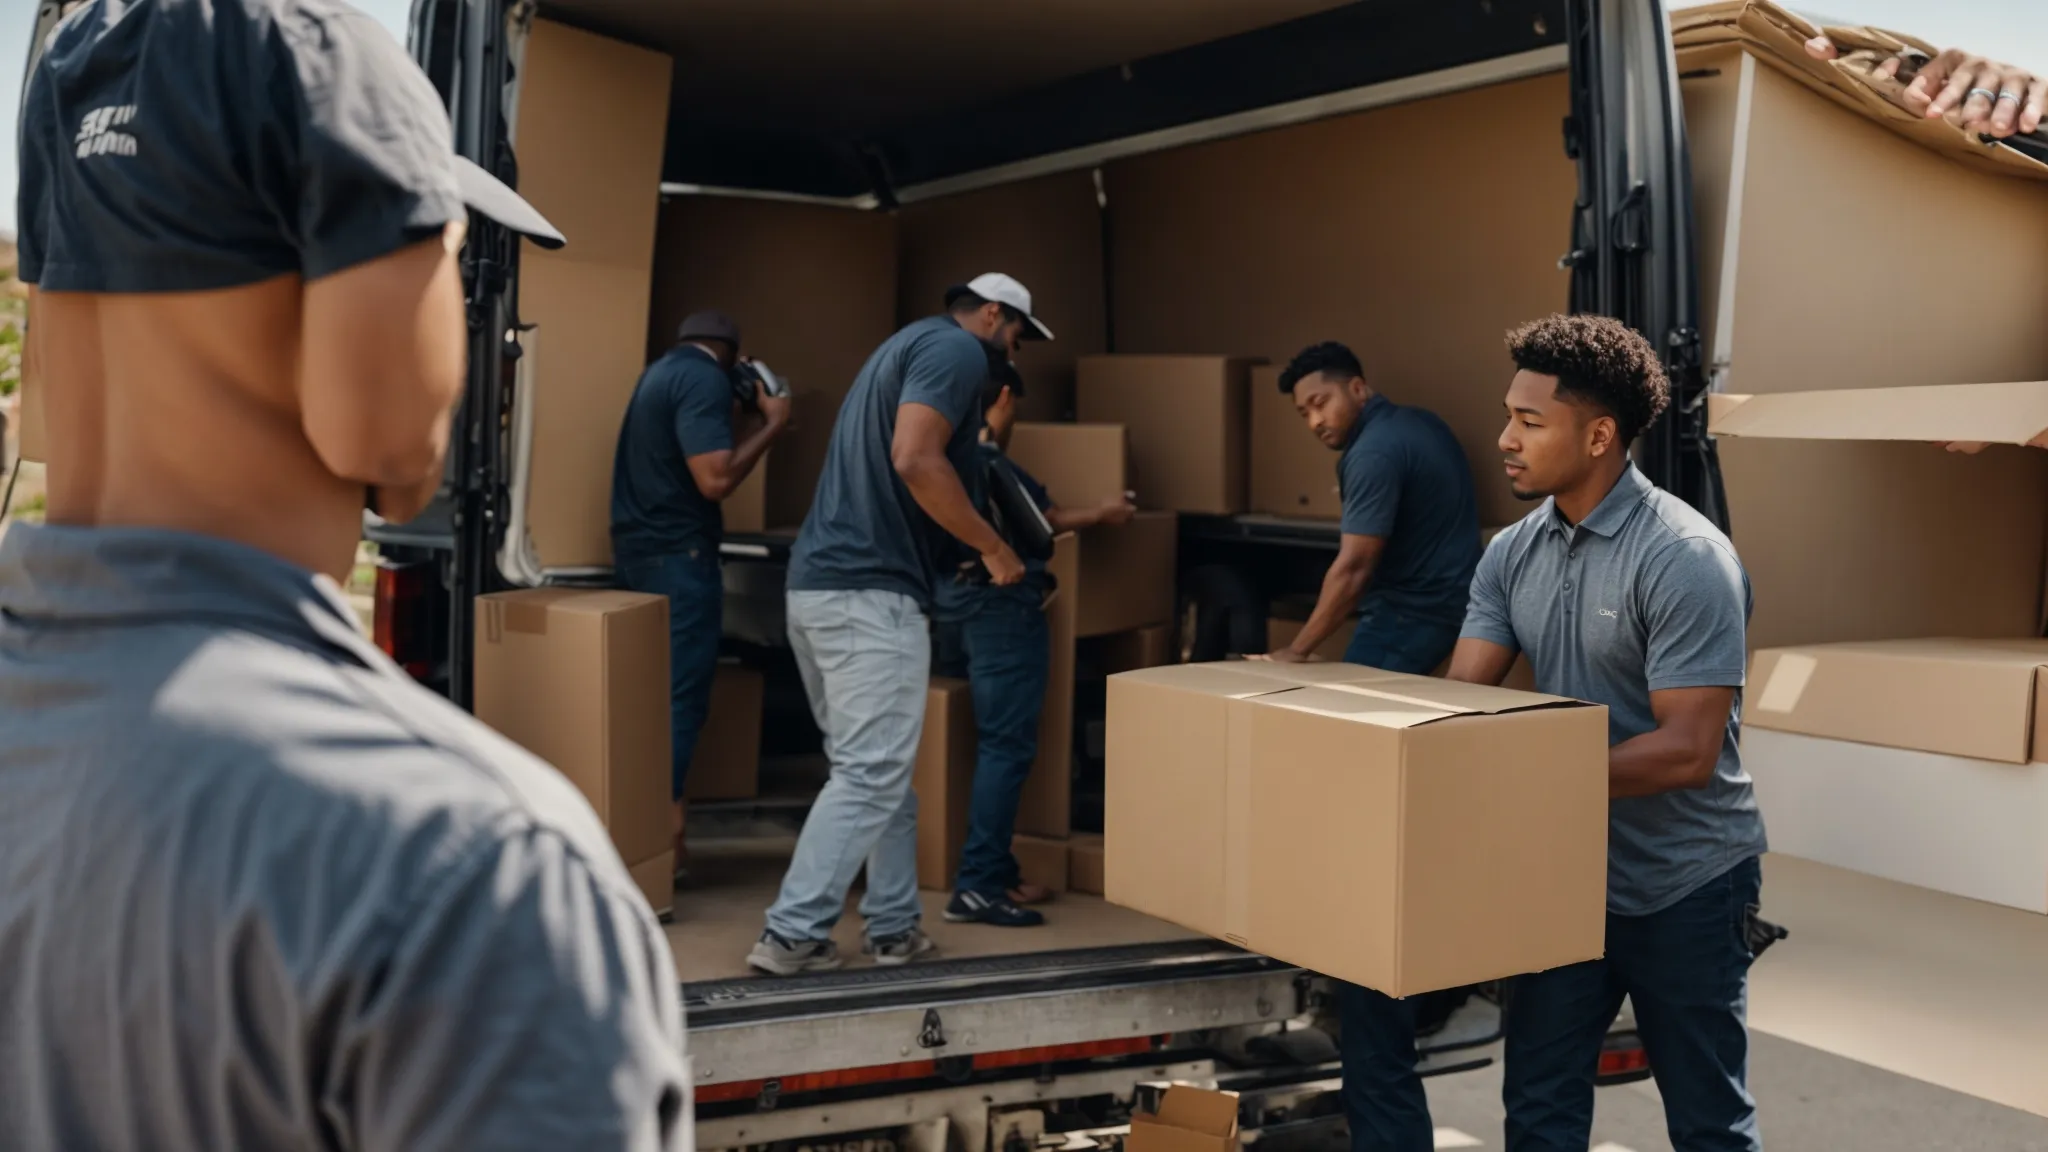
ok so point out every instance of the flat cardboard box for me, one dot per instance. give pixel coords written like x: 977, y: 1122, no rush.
x: 1139, y: 648
x: 746, y: 509
x: 1081, y: 465
x: 1188, y: 423
x: 1084, y: 863
x: 1293, y: 473
x: 1041, y: 861
x: 727, y: 762
x: 943, y: 778
x: 1469, y: 823
x: 1941, y: 413
x: 579, y: 678
x: 1189, y: 1120
x: 1280, y: 633
x: 1975, y: 828
x: 1981, y: 699
x: 1126, y: 575
x: 656, y: 879
x: 1045, y: 807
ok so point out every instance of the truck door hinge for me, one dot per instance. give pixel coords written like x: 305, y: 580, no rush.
x: 933, y: 1033
x: 1629, y: 227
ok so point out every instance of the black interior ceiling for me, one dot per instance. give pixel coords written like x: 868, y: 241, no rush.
x: 839, y: 98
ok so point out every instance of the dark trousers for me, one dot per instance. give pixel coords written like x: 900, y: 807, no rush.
x: 1005, y: 649
x: 1685, y: 971
x: 1383, y: 1098
x: 696, y: 604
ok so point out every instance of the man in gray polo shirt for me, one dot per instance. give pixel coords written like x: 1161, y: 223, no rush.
x: 257, y: 888
x: 1623, y: 595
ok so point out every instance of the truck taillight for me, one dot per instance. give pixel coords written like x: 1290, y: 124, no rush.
x: 402, y: 620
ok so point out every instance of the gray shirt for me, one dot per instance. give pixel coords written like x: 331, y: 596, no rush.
x: 1646, y: 595
x: 260, y: 890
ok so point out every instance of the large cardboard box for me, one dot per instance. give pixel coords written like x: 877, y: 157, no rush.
x: 1041, y: 861
x: 1280, y: 633
x: 1081, y: 465
x: 1970, y: 827
x: 727, y: 762
x: 1045, y: 807
x: 1293, y: 473
x: 746, y: 508
x: 1469, y: 823
x: 580, y: 679
x: 1084, y: 863
x: 1982, y: 699
x: 943, y: 778
x: 1125, y: 577
x: 1188, y: 423
x: 1189, y: 1120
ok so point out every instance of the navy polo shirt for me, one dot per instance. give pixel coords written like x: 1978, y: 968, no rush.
x: 681, y: 408
x: 1404, y: 478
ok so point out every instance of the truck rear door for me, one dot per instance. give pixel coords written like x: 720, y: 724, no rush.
x: 1632, y: 231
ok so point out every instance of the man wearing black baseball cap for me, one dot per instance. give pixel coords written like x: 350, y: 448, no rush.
x: 263, y: 890
x: 679, y: 456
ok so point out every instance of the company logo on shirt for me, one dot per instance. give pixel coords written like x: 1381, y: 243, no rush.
x: 96, y: 135
x: 1610, y: 613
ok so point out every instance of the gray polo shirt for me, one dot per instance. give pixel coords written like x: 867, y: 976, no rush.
x: 259, y: 890
x: 1646, y: 595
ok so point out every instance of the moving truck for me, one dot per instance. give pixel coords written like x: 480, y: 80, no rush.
x: 1223, y: 181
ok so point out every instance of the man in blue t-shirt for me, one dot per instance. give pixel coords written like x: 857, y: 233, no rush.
x: 861, y: 579
x: 1410, y: 533
x: 678, y: 457
x: 997, y: 639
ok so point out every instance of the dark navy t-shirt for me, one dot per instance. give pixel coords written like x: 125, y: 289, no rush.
x: 681, y: 408
x: 864, y: 531
x: 1404, y: 478
x: 954, y: 600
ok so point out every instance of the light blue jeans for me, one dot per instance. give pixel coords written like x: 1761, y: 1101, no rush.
x: 865, y: 658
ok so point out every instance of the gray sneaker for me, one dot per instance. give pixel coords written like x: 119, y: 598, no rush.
x: 890, y: 951
x: 778, y: 957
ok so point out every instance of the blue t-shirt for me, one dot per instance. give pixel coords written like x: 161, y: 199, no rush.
x: 865, y: 532
x: 681, y: 408
x: 1404, y: 478
x: 1645, y: 595
x: 953, y: 600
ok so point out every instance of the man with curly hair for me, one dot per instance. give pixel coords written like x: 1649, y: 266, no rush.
x: 1623, y: 595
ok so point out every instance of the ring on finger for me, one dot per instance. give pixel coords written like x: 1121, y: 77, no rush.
x: 2012, y: 96
x: 1986, y: 93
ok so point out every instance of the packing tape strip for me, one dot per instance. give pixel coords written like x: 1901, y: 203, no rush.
x: 1237, y: 824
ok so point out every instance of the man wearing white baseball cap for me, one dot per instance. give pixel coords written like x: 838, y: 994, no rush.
x: 861, y: 584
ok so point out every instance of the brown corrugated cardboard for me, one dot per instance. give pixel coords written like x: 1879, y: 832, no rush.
x: 1139, y: 648
x: 746, y: 509
x: 1126, y: 575
x: 1973, y: 698
x: 1293, y: 473
x: 656, y: 879
x: 943, y: 778
x: 1081, y: 465
x: 813, y: 290
x: 1188, y: 423
x: 1084, y: 863
x: 1045, y: 807
x: 1982, y: 413
x: 580, y: 679
x: 1041, y: 861
x: 1206, y: 826
x: 29, y: 438
x: 727, y: 762
x: 1280, y: 633
x: 592, y: 126
x: 1050, y: 238
x: 1189, y: 1120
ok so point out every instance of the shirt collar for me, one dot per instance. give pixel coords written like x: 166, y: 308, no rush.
x: 144, y: 575
x: 1613, y: 510
x: 1374, y: 408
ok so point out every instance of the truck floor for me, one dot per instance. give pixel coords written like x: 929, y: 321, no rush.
x: 718, y: 915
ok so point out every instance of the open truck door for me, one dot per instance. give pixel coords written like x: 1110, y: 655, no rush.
x: 1632, y: 231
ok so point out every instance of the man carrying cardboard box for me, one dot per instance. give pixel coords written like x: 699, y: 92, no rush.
x: 997, y: 640
x: 263, y: 890
x: 860, y: 588
x: 679, y: 456
x: 1410, y: 533
x: 1623, y: 595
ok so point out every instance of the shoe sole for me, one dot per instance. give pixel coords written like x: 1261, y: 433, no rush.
x: 956, y: 919
x: 773, y: 967
x: 889, y: 960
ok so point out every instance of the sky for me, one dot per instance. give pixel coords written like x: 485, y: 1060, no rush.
x: 1997, y: 27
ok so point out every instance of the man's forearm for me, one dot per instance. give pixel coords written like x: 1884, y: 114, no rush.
x: 1660, y: 760
x: 1342, y: 586
x: 1072, y: 519
x: 749, y: 453
x: 937, y: 490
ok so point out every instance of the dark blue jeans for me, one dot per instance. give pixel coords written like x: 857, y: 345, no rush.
x: 696, y: 603
x: 1685, y: 971
x: 1383, y: 1097
x: 1005, y: 649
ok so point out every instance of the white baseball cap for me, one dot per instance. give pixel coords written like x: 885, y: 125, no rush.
x: 1005, y: 290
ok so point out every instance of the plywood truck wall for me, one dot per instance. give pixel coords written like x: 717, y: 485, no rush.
x: 1045, y: 232
x: 1417, y: 234
x: 814, y: 291
x: 1846, y: 256
x: 592, y: 120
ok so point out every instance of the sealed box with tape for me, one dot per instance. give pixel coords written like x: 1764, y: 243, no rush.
x: 1401, y: 832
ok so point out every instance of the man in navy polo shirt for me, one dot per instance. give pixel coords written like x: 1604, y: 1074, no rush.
x: 678, y: 458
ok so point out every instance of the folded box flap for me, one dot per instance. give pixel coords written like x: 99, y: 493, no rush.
x: 1340, y: 703
x: 1232, y: 681
x: 1457, y: 695
x: 2014, y: 413
x: 1972, y: 698
x: 1198, y: 1110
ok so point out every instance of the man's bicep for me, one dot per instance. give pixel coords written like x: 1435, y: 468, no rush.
x: 921, y: 430
x: 1488, y: 615
x: 704, y: 417
x: 1477, y: 661
x: 1695, y: 614
x: 531, y: 1004
x: 1372, y: 493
